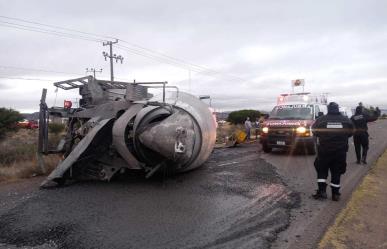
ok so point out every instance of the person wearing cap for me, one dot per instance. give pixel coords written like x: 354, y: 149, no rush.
x: 332, y: 132
x: 360, y: 138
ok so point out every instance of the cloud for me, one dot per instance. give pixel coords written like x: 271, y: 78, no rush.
x: 257, y: 47
x: 3, y: 86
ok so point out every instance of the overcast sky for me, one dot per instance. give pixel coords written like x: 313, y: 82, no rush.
x: 255, y: 47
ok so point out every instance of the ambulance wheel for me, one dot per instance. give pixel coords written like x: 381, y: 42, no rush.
x: 266, y: 148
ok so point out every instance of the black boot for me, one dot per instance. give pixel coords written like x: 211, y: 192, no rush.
x: 364, y: 157
x: 335, y: 194
x: 321, y: 193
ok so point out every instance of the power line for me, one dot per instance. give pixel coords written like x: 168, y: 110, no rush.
x: 56, y: 27
x: 189, y: 64
x: 47, y: 31
x: 61, y: 34
x: 46, y: 71
x: 142, y: 51
x: 22, y: 78
x: 180, y: 65
x: 96, y: 35
x: 175, y: 61
x: 37, y: 70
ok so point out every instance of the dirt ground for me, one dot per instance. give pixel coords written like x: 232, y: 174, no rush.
x: 362, y: 223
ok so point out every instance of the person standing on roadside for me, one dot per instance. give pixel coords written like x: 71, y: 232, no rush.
x: 248, y: 128
x: 360, y: 138
x: 257, y: 126
x: 332, y: 132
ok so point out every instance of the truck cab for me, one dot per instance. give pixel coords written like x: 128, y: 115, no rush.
x: 289, y: 123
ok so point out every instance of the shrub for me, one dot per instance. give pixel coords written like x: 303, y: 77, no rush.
x: 56, y: 128
x: 8, y: 120
x: 371, y: 111
x: 18, y: 155
x: 20, y: 152
x: 239, y: 117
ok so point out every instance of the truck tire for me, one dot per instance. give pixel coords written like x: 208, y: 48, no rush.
x: 266, y: 148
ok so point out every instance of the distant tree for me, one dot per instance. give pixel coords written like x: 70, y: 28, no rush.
x: 239, y: 117
x: 372, y: 111
x: 378, y: 111
x: 8, y: 120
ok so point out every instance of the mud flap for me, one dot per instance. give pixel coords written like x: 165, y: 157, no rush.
x: 56, y: 176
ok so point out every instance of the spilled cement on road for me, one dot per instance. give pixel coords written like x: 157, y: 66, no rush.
x: 235, y: 201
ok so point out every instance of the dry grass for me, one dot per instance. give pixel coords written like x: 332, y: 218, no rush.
x: 27, y: 169
x: 226, y: 130
x: 355, y: 220
x: 18, y: 155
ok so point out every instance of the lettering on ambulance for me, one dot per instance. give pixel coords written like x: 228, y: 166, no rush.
x: 332, y: 125
x: 284, y: 123
x: 290, y: 123
x: 292, y: 106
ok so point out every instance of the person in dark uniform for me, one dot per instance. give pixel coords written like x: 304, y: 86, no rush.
x: 332, y: 132
x: 360, y: 138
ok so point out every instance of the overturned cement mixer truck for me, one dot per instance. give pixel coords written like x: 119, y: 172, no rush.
x: 120, y: 126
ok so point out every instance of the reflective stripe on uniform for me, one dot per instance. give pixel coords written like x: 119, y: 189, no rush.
x: 321, y: 180
x: 335, y: 185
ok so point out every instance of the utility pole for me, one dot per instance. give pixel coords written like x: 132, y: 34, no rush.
x: 93, y: 70
x: 112, y: 56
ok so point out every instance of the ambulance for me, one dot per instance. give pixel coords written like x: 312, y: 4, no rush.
x: 289, y: 123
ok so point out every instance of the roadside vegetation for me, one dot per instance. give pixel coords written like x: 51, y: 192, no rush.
x: 8, y: 121
x: 56, y: 128
x: 18, y: 157
x: 239, y: 117
x: 234, y: 123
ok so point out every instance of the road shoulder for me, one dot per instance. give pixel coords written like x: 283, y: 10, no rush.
x: 361, y: 223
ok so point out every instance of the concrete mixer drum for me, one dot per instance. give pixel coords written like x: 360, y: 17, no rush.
x: 127, y: 129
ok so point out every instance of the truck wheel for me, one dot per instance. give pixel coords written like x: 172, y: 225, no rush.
x: 266, y: 148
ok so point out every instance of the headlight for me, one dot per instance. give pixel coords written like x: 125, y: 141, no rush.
x: 301, y: 130
x: 265, y: 129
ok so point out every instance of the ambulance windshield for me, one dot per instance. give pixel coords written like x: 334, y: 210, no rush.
x: 298, y: 111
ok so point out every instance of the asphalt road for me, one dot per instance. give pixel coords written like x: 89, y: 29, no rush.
x: 235, y: 201
x: 240, y: 198
x: 309, y: 222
